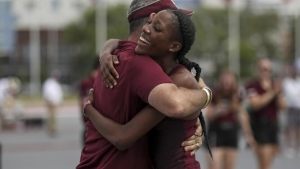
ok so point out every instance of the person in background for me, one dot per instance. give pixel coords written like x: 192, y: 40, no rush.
x: 224, y: 114
x: 85, y: 85
x: 265, y: 100
x: 291, y: 89
x: 9, y: 106
x: 53, y: 95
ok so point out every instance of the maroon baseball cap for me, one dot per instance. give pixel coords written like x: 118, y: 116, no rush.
x: 143, y: 8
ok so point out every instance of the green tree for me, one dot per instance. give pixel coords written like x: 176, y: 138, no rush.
x: 256, y: 37
x: 82, y: 36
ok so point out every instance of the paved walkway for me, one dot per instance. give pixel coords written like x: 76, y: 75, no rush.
x: 34, y: 149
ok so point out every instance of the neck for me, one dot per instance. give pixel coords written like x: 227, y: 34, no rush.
x: 167, y: 63
x: 135, y: 36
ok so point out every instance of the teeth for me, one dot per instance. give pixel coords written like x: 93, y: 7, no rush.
x: 144, y: 40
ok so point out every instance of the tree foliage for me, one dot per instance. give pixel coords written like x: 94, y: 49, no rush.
x: 82, y: 36
x: 257, y: 32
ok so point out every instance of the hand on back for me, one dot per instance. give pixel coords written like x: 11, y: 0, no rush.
x: 108, y: 71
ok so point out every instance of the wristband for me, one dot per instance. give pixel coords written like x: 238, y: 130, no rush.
x: 209, y: 96
x: 84, y: 106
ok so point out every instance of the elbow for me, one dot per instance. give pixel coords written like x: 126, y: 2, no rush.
x: 121, y: 144
x: 176, y: 110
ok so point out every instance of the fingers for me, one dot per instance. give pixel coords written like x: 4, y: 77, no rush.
x: 112, y: 69
x: 193, y: 148
x: 198, y: 130
x: 196, y: 148
x: 191, y: 142
x: 109, y: 74
x: 106, y: 78
x: 198, y: 139
x: 109, y: 77
x: 91, y: 95
x: 91, y: 91
x: 115, y: 59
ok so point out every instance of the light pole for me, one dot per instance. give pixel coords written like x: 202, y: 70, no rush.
x: 35, y: 63
x: 234, y: 38
x: 34, y: 52
x: 101, y: 24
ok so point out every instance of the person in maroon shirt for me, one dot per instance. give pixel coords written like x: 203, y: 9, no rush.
x: 224, y: 114
x: 166, y: 137
x: 265, y: 100
x: 134, y: 89
x: 85, y: 85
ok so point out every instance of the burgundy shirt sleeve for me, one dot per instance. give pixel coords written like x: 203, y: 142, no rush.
x: 147, y: 74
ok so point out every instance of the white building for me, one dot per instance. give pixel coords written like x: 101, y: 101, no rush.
x: 50, y: 14
x: 57, y: 13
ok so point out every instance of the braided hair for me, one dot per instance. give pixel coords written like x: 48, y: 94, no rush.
x: 187, y: 37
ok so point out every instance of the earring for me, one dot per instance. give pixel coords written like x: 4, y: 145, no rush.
x: 171, y: 50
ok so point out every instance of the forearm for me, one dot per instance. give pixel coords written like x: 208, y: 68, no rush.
x: 108, y: 128
x: 177, y: 102
x: 191, y: 100
x: 262, y: 100
x: 109, y: 46
x: 124, y: 136
x: 244, y: 121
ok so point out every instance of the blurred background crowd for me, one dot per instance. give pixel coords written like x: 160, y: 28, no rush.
x: 249, y: 52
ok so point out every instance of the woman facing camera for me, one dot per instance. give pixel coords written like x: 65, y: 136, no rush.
x: 166, y: 37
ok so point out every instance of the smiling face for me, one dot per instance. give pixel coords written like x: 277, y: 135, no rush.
x: 158, y: 36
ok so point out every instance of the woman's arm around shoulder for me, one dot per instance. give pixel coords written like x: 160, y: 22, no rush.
x: 184, y: 78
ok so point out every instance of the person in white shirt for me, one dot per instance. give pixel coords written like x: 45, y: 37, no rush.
x: 53, y: 95
x: 291, y: 89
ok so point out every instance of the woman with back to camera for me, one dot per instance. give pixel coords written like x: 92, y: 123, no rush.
x: 167, y: 37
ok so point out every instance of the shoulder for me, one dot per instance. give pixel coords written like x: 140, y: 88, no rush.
x: 143, y: 62
x: 125, y: 45
x: 184, y: 78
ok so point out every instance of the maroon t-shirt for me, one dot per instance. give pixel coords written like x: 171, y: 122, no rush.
x: 138, y: 76
x: 270, y: 110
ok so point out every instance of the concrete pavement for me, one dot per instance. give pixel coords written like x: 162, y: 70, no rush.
x: 34, y: 149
